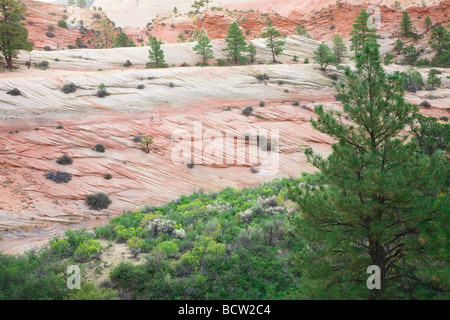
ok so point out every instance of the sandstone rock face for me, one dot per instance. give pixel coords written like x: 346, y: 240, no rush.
x: 135, y: 13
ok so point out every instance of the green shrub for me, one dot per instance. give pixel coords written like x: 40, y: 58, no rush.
x: 99, y: 147
x: 90, y: 291
x: 98, y: 201
x: 127, y: 63
x: 69, y: 88
x: 64, y: 159
x: 50, y: 34
x: 87, y: 250
x: 247, y: 111
x: 62, y: 23
x: 262, y: 103
x: 140, y: 86
x: 58, y: 176
x: 262, y: 76
x: 413, y: 80
x: 108, y: 176
x: 14, y: 92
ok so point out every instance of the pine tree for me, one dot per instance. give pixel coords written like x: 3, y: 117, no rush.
x: 361, y: 32
x: 428, y: 23
x: 399, y: 46
x: 13, y: 34
x: 204, y: 48
x: 302, y: 32
x: 274, y: 40
x: 376, y: 201
x: 106, y: 33
x: 433, y: 80
x: 155, y: 53
x: 324, y: 56
x: 71, y: 3
x: 339, y: 48
x: 236, y: 44
x: 406, y: 25
x: 440, y: 43
x: 252, y: 52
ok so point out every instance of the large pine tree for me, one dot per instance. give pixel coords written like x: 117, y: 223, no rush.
x: 361, y: 32
x: 236, y: 44
x: 13, y: 34
x: 155, y: 53
x: 377, y: 201
x: 339, y: 48
x: 406, y: 25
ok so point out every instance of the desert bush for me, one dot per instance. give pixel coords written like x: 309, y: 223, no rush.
x: 99, y: 147
x: 69, y: 88
x: 87, y: 250
x: 425, y: 104
x: 64, y: 159
x: 137, y: 139
x: 58, y: 176
x: 140, y: 86
x: 59, y: 126
x: 262, y: 76
x: 43, y: 65
x: 262, y: 103
x: 296, y: 103
x: 89, y: 291
x: 14, y: 92
x: 108, y: 176
x: 71, y: 46
x: 247, y: 111
x: 47, y: 48
x: 306, y: 61
x: 190, y: 165
x: 98, y: 201
x: 128, y: 63
x: 97, y: 16
x: 62, y: 23
x: 50, y: 34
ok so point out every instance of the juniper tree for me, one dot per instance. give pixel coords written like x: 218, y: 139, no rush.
x: 155, y: 53
x: 339, y: 48
x: 361, y: 32
x: 324, y: 56
x: 377, y: 201
x: 406, y: 25
x: 433, y: 80
x: 236, y: 44
x: 274, y: 40
x: 13, y: 34
x: 204, y: 49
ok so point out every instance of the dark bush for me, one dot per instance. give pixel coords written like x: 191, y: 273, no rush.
x: 64, y: 159
x: 58, y: 176
x: 262, y: 77
x: 190, y: 165
x: 101, y: 93
x: 262, y: 103
x: 69, y: 88
x: 444, y: 118
x: 50, y: 34
x: 97, y: 16
x: 99, y: 147
x: 295, y: 103
x: 43, y: 65
x: 247, y: 111
x: 127, y: 63
x: 137, y: 139
x: 334, y: 76
x: 14, y: 92
x: 59, y: 126
x: 98, y: 201
x: 140, y: 86
x: 47, y: 48
x: 108, y: 176
x: 425, y: 104
x: 71, y: 46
